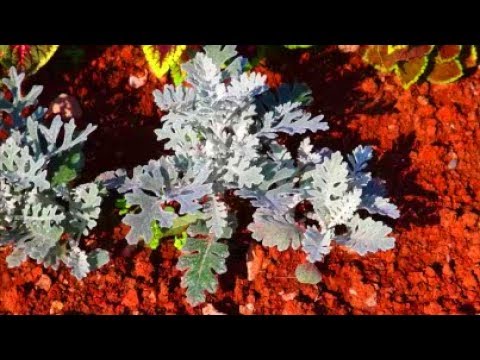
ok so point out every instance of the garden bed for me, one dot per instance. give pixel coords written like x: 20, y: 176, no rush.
x: 426, y: 148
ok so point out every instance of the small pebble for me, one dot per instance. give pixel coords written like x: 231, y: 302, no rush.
x: 452, y: 164
x: 55, y: 307
x: 44, y: 283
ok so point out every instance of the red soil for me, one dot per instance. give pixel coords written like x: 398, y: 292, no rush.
x: 434, y: 268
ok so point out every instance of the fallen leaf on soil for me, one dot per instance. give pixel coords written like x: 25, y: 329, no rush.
x: 308, y: 274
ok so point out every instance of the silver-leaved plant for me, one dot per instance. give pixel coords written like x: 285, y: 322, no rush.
x: 223, y: 128
x: 40, y: 214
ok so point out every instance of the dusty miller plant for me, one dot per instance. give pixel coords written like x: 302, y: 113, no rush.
x: 41, y: 215
x: 224, y: 130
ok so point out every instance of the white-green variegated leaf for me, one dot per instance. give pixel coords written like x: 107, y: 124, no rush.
x: 242, y: 174
x: 374, y: 202
x: 174, y: 98
x: 85, y: 207
x: 221, y: 54
x: 16, y: 258
x: 342, y: 210
x: 358, y: 161
x: 178, y: 132
x: 216, y: 212
x: 331, y: 176
x: 367, y: 235
x: 275, y: 230
x: 306, y: 155
x: 151, y: 210
x: 97, y: 258
x: 247, y: 86
x: 70, y: 139
x: 204, y: 75
x: 316, y: 244
x: 40, y: 240
x: 380, y: 205
x: 39, y: 214
x: 295, y: 93
x: 289, y: 118
x: 20, y: 101
x: 19, y: 168
x: 77, y: 260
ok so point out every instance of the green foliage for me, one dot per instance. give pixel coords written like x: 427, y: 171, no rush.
x: 67, y: 167
x: 74, y: 54
x: 41, y: 214
x: 201, y: 259
x: 295, y: 47
x: 181, y: 240
x: 122, y: 205
x: 226, y: 130
x: 26, y: 58
x: 157, y: 235
x: 308, y: 274
x: 438, y: 64
x: 177, y: 230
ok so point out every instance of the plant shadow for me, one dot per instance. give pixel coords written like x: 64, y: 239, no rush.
x: 417, y: 205
x: 335, y: 79
x: 126, y: 116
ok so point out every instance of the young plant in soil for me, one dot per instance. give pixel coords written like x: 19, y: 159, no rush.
x: 41, y: 215
x: 223, y: 128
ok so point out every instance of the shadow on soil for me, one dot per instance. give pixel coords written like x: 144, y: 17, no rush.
x: 416, y: 204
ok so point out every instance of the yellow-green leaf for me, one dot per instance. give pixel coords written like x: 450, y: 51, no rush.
x: 446, y: 72
x: 410, y: 71
x: 448, y: 52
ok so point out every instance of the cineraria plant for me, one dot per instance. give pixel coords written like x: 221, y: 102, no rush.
x: 41, y: 215
x: 223, y: 128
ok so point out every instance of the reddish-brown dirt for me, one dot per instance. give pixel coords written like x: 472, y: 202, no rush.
x: 426, y: 141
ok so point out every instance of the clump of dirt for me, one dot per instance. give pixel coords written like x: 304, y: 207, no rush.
x: 426, y: 144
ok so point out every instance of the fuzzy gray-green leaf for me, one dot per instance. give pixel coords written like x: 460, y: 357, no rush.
x: 202, y: 259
